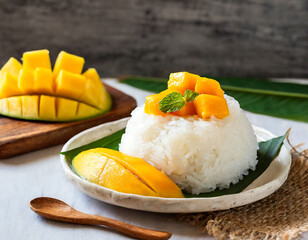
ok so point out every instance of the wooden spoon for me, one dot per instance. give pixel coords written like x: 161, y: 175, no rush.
x: 57, y: 210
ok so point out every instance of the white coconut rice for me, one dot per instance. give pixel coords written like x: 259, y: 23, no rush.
x: 198, y: 155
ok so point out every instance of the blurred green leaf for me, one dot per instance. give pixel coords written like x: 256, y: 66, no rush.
x: 111, y: 141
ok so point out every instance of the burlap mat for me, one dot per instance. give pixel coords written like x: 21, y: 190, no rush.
x: 282, y: 215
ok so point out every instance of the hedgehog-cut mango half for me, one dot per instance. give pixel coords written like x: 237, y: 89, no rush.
x: 123, y: 173
x: 35, y: 91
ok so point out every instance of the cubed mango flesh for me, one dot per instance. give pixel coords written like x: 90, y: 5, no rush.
x: 15, y: 106
x: 66, y: 109
x: 4, y: 106
x: 84, y: 110
x: 208, y: 86
x: 32, y: 92
x: 36, y: 59
x: 187, y: 110
x: 30, y: 106
x: 68, y: 62
x: 181, y: 81
x: 43, y: 82
x: 92, y: 93
x: 124, y: 173
x: 9, y: 86
x: 12, y: 66
x: 66, y: 80
x: 207, y: 105
x: 92, y: 74
x: 152, y: 102
x: 48, y: 108
x: 26, y: 81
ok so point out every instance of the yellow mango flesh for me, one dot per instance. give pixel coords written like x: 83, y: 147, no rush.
x: 187, y: 110
x: 68, y: 62
x: 47, y: 110
x: 26, y: 81
x: 210, y: 101
x: 36, y: 59
x: 181, y: 81
x: 4, y: 106
x: 66, y: 80
x: 30, y: 106
x: 84, y: 95
x: 151, y: 105
x: 66, y: 109
x: 208, y: 86
x: 85, y: 110
x: 9, y: 86
x: 15, y: 106
x: 207, y: 105
x: 92, y: 74
x: 43, y: 82
x: 12, y: 66
x: 124, y: 173
x: 106, y: 172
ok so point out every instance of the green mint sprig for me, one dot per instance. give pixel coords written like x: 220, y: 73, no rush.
x: 176, y: 101
x: 190, y: 95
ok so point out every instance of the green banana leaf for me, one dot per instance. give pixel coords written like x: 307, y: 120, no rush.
x: 283, y: 100
x: 111, y: 141
x: 266, y: 154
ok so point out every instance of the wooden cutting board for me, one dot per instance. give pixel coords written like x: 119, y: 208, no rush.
x: 19, y: 136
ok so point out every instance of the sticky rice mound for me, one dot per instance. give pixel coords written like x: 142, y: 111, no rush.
x: 198, y: 155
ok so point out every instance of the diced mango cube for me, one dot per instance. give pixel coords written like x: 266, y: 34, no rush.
x: 36, y: 59
x: 92, y: 74
x: 70, y: 85
x: 9, y: 86
x: 66, y: 109
x: 207, y: 105
x: 15, y: 107
x: 92, y: 94
x: 181, y: 81
x: 47, y: 108
x: 30, y: 106
x: 152, y: 102
x: 26, y: 81
x: 12, y: 66
x: 187, y: 110
x: 105, y: 100
x: 208, y: 86
x: 43, y: 83
x: 84, y: 111
x: 4, y: 106
x: 68, y: 62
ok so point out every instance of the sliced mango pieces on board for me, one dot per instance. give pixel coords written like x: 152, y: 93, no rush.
x: 61, y: 94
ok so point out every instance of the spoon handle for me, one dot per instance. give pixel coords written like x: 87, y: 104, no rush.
x: 125, y: 228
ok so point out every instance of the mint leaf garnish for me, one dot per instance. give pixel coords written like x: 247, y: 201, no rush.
x: 190, y: 95
x: 172, y: 102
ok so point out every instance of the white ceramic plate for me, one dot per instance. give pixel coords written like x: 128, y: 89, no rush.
x: 266, y: 184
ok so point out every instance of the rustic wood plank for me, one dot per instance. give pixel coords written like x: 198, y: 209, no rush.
x: 254, y: 38
x: 18, y: 136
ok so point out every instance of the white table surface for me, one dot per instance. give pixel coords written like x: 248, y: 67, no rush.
x: 39, y: 174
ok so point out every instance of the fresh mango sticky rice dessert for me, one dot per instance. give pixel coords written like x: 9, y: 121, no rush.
x: 194, y: 133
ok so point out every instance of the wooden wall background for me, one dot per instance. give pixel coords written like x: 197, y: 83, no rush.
x: 254, y: 38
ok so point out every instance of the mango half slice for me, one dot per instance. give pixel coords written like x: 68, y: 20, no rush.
x: 33, y: 91
x: 123, y: 173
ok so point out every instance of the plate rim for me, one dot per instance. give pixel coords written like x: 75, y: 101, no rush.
x: 77, y: 180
